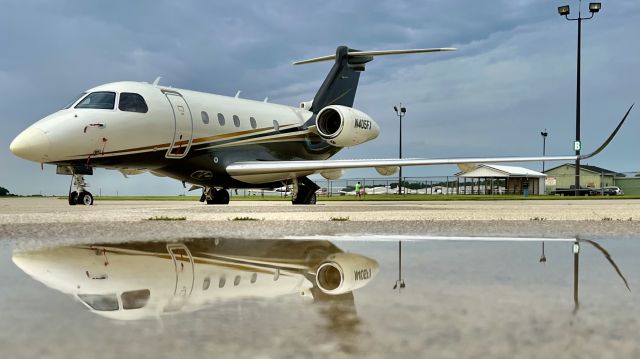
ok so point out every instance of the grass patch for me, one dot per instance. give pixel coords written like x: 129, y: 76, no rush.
x: 166, y: 218
x: 339, y: 219
x: 244, y: 219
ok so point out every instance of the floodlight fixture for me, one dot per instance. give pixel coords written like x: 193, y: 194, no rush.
x: 594, y: 7
x: 564, y: 10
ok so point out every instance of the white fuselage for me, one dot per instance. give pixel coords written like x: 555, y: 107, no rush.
x: 175, y: 118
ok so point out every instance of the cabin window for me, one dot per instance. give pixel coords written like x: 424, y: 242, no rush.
x: 223, y: 280
x: 205, y: 117
x: 100, y: 302
x: 254, y: 277
x: 221, y: 119
x: 135, y: 299
x: 236, y: 121
x: 276, y: 126
x: 206, y: 283
x: 236, y: 281
x: 252, y: 120
x: 74, y: 100
x: 132, y: 102
x: 98, y: 100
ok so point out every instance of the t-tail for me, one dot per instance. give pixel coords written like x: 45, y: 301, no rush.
x: 340, y: 85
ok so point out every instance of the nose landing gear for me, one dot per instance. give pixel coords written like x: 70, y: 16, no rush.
x: 80, y: 195
x: 213, y: 196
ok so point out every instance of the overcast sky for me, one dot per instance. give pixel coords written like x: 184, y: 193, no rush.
x: 513, y: 75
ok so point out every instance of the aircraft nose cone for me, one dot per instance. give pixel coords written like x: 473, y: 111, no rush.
x: 32, y: 144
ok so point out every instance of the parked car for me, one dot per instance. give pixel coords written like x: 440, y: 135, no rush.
x: 612, y: 191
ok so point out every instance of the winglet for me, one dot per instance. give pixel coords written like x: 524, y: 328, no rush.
x: 613, y: 134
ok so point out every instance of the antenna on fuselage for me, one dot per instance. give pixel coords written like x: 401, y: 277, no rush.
x: 238, y: 94
x: 266, y: 99
x: 157, y: 81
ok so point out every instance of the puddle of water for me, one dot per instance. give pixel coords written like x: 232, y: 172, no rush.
x: 345, y: 296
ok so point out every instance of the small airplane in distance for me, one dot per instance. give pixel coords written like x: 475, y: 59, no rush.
x: 216, y: 142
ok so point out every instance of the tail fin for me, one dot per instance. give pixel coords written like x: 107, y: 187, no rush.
x: 340, y: 85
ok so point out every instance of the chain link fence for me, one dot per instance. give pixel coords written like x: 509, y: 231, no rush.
x: 628, y: 182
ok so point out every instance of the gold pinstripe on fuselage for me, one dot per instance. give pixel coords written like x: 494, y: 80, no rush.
x: 276, y: 137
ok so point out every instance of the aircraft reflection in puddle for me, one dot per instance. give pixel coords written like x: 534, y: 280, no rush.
x: 400, y: 284
x: 145, y: 280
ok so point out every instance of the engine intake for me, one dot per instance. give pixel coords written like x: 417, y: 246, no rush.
x: 344, y: 272
x: 344, y: 126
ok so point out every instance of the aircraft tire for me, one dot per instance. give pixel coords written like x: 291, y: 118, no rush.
x: 304, y: 197
x: 219, y: 197
x: 73, y: 198
x: 222, y: 196
x: 299, y: 198
x: 85, y: 198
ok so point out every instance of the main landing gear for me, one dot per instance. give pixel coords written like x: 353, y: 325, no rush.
x: 80, y: 195
x: 304, y: 191
x: 215, y: 196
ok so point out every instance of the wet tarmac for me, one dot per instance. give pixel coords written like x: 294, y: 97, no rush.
x: 51, y: 221
x: 338, y: 296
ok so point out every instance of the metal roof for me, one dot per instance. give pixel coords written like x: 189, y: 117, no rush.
x: 485, y: 170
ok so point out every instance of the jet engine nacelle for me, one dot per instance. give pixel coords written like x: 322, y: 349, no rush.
x: 344, y: 126
x: 344, y: 272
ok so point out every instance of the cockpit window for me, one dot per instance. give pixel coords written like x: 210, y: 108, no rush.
x: 98, y: 100
x: 100, y: 302
x: 132, y: 102
x: 75, y: 99
x: 135, y: 299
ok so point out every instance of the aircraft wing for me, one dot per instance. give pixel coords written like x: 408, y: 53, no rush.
x: 315, y: 166
x: 248, y: 169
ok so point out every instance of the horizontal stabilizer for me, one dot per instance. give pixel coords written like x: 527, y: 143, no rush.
x: 374, y: 53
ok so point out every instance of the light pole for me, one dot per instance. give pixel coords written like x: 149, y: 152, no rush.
x: 400, y: 282
x: 400, y: 111
x: 544, y: 145
x: 544, y: 134
x: 594, y: 7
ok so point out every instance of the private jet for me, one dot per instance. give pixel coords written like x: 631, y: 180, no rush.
x: 218, y: 143
x: 133, y: 281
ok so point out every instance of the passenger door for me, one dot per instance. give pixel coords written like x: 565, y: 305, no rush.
x: 183, y: 133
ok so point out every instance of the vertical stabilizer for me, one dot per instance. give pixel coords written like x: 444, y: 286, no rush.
x: 340, y: 85
x: 339, y: 88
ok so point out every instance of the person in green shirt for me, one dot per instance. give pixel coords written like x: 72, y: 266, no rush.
x: 358, y: 187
